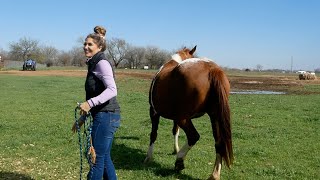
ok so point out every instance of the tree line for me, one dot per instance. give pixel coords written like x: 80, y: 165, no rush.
x: 121, y: 53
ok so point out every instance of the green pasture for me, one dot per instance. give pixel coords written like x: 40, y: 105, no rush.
x: 274, y: 136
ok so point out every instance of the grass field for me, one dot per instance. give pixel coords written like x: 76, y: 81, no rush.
x: 274, y: 136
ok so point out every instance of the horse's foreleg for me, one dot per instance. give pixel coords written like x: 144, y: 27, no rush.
x: 153, y: 135
x: 175, y: 133
x: 192, y: 136
x: 181, y: 155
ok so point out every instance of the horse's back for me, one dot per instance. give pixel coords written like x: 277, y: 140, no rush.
x: 199, y: 72
x: 184, y: 89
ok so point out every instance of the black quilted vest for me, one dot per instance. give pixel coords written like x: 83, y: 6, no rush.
x: 94, y: 86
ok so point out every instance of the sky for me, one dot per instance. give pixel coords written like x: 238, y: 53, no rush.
x: 275, y: 34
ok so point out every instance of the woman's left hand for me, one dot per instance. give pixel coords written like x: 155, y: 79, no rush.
x: 74, y: 127
x: 84, y: 108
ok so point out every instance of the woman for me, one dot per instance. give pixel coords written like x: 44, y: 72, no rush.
x: 101, y: 102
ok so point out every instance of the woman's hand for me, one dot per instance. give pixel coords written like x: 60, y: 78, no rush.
x: 84, y: 108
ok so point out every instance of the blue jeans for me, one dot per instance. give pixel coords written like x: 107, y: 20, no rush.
x: 104, y: 126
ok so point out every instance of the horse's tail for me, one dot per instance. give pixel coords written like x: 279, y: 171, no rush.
x: 220, y: 89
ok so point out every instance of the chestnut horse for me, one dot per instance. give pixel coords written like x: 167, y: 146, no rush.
x: 185, y: 88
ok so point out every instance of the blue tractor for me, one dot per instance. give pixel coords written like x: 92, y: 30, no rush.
x: 29, y: 65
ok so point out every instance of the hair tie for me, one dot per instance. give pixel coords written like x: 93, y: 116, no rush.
x: 102, y: 36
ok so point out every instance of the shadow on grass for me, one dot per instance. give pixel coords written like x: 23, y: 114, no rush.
x: 13, y: 176
x: 128, y: 158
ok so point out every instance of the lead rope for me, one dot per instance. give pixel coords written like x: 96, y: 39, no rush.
x: 85, y: 140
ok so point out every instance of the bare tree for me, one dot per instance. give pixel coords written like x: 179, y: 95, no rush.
x: 78, y: 57
x: 156, y: 57
x: 3, y: 54
x: 259, y: 67
x: 51, y: 55
x: 25, y: 48
x: 64, y: 59
x: 80, y: 41
x: 116, y: 50
x: 135, y: 56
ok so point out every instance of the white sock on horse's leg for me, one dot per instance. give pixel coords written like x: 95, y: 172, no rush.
x: 216, y: 168
x: 183, y: 151
x: 150, y: 153
x: 176, y: 142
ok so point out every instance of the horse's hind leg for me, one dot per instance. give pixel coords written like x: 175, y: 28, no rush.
x: 192, y: 137
x: 218, y: 162
x: 153, y: 135
x: 175, y: 133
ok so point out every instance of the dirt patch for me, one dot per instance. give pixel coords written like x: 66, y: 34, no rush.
x: 289, y: 84
x: 77, y: 73
x: 137, y: 74
x: 72, y: 73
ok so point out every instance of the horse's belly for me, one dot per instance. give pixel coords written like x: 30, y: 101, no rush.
x: 177, y: 109
x: 174, y: 97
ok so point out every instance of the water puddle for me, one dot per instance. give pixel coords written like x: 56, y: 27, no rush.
x: 256, y: 92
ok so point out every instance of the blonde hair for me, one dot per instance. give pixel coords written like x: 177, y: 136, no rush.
x: 99, y: 37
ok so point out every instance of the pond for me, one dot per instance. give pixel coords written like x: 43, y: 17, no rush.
x: 256, y: 92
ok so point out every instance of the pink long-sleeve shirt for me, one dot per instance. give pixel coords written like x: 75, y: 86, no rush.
x: 103, y: 71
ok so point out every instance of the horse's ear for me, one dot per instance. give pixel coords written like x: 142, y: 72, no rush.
x: 193, y: 50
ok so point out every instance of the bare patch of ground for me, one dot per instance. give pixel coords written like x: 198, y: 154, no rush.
x: 72, y: 73
x: 289, y: 84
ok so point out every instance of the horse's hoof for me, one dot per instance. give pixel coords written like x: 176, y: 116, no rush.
x: 147, y: 160
x: 213, y: 178
x: 179, y: 165
x: 175, y: 151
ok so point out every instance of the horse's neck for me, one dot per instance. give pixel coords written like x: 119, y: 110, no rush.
x: 167, y: 68
x: 170, y: 65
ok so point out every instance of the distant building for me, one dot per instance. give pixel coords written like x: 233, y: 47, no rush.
x: 301, y: 72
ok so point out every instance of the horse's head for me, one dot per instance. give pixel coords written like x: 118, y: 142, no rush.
x: 186, y: 53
